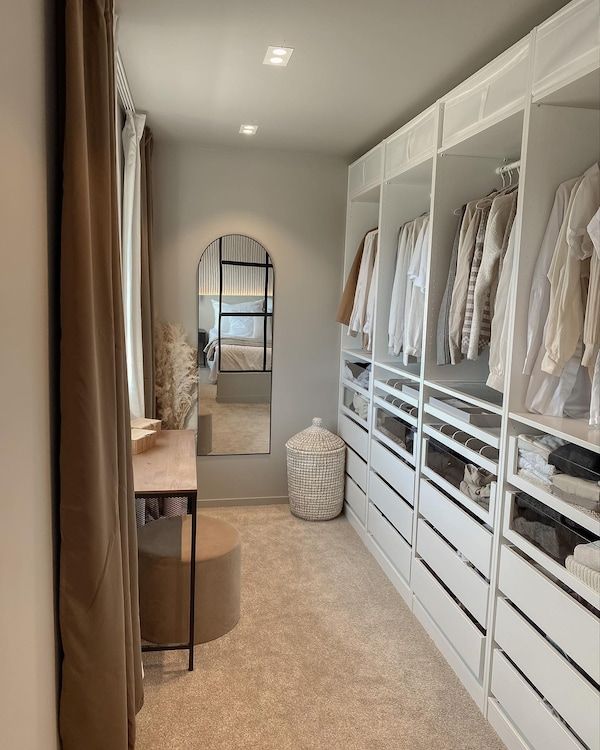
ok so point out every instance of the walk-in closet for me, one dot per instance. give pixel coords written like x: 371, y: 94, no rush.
x: 455, y: 424
x: 300, y: 333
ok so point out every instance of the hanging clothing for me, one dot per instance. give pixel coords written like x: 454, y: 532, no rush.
x: 568, y: 276
x: 539, y: 297
x: 398, y: 300
x: 499, y: 225
x: 484, y: 207
x: 415, y: 294
x: 344, y: 310
x: 443, y: 324
x: 500, y: 320
x: 369, y: 322
x: 363, y: 285
x: 466, y: 248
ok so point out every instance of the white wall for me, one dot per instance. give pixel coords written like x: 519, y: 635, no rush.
x: 295, y: 205
x: 27, y: 633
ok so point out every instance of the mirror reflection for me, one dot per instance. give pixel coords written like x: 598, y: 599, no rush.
x: 235, y: 334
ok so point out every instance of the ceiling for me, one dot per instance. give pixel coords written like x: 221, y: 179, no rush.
x: 359, y: 70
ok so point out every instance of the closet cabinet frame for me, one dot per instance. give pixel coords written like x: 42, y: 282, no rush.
x: 536, y: 130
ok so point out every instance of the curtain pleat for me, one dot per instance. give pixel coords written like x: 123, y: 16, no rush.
x: 147, y: 227
x: 101, y: 686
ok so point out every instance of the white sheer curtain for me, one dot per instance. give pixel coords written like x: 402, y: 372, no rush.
x: 131, y: 261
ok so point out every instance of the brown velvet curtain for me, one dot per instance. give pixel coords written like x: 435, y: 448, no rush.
x: 101, y: 687
x: 147, y: 220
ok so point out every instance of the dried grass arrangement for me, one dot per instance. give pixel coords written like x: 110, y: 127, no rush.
x: 176, y: 375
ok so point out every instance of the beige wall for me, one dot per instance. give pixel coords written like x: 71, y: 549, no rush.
x: 294, y: 204
x: 27, y: 636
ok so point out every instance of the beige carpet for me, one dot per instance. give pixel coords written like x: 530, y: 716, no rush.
x: 236, y: 428
x: 326, y: 657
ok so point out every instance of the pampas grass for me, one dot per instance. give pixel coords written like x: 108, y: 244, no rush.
x: 176, y: 375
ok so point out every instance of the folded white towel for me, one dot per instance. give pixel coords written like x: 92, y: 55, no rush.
x: 590, y: 577
x: 588, y: 555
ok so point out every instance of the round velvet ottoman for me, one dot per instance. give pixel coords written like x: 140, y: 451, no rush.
x: 164, y: 579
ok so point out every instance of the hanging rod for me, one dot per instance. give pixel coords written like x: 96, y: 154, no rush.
x: 508, y: 167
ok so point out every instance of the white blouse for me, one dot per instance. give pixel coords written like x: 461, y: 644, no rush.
x: 363, y: 285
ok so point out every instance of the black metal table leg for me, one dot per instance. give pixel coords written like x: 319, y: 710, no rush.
x: 194, y: 510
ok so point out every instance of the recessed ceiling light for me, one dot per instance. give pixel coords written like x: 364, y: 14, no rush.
x: 278, y: 56
x: 248, y: 129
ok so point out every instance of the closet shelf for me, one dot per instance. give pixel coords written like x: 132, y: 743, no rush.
x: 415, y: 172
x: 394, y: 447
x: 396, y: 392
x: 354, y: 416
x: 357, y: 355
x: 389, y: 407
x: 368, y: 195
x: 497, y: 137
x: 395, y: 369
x: 554, y: 568
x: 582, y: 517
x: 471, y: 393
x: 354, y: 387
x: 575, y: 431
x: 485, y: 435
x: 486, y: 463
x: 460, y: 497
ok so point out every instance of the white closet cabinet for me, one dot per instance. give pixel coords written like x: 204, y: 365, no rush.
x: 520, y: 630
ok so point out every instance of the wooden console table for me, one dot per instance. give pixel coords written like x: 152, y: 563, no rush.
x: 168, y: 469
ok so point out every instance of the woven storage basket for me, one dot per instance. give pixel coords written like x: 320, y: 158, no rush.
x: 315, y: 462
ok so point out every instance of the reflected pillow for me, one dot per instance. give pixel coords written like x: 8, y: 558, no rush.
x: 233, y: 326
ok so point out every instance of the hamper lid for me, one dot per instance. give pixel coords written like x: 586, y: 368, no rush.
x: 315, y: 439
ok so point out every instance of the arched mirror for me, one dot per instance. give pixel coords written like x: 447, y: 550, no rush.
x: 235, y: 347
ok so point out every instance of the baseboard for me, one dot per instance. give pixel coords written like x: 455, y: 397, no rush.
x: 228, y: 502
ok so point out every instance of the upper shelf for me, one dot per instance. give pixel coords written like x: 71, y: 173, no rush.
x: 575, y: 431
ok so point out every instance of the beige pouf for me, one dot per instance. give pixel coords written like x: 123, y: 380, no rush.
x: 164, y: 579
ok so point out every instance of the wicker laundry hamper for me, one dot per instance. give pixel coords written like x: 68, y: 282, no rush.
x: 315, y: 462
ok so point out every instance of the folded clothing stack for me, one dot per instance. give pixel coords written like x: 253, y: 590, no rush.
x: 477, y: 484
x: 584, y: 563
x: 358, y: 373
x: 564, y: 469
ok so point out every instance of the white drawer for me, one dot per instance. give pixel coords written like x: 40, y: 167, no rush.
x: 366, y: 172
x: 573, y: 628
x: 354, y: 435
x: 357, y: 469
x: 462, y: 634
x: 411, y: 144
x: 356, y: 499
x: 390, y: 541
x: 393, y: 507
x: 395, y: 472
x: 496, y: 91
x: 530, y: 715
x: 466, y: 584
x: 569, y: 693
x: 462, y: 531
x: 567, y: 46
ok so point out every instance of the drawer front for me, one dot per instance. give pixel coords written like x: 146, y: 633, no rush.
x: 570, y: 694
x: 457, y: 526
x: 573, y: 628
x: 393, y: 507
x: 390, y: 541
x: 354, y: 435
x: 357, y: 469
x: 412, y: 143
x: 467, y: 585
x: 527, y: 711
x: 498, y: 88
x: 356, y: 499
x: 466, y: 639
x: 566, y: 45
x: 395, y: 472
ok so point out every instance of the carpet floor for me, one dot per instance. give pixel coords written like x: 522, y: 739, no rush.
x: 326, y: 656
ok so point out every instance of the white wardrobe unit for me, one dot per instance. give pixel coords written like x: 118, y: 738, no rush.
x: 519, y: 629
